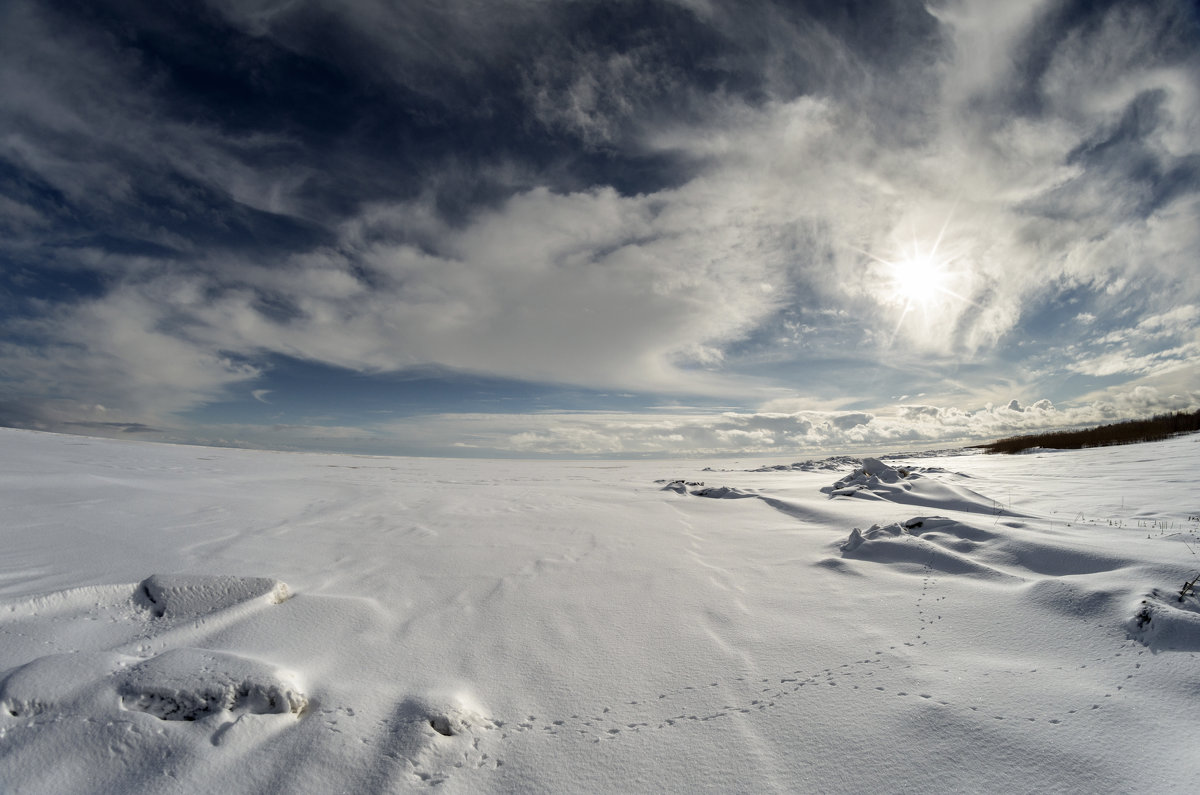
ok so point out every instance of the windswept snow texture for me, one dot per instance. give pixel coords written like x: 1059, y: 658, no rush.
x: 191, y: 620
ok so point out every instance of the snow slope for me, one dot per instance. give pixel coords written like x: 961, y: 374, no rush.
x: 183, y: 619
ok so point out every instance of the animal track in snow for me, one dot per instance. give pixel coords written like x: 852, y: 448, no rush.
x: 925, y: 611
x: 877, y: 675
x: 929, y: 542
x: 429, y: 738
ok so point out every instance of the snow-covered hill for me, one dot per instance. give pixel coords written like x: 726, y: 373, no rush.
x: 183, y: 619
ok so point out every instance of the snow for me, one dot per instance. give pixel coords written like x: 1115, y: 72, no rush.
x: 186, y: 619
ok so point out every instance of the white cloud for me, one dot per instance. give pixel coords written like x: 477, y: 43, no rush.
x: 911, y: 427
x: 589, y: 288
x: 109, y: 352
x: 1176, y: 320
x: 1124, y: 362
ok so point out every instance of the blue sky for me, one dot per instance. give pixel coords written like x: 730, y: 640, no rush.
x: 596, y: 228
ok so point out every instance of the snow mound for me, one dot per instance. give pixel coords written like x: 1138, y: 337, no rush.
x: 875, y: 480
x: 723, y: 493
x: 189, y: 684
x: 679, y: 486
x: 933, y: 543
x: 1167, y: 621
x: 103, y: 637
x: 71, y: 601
x: 56, y: 683
x: 871, y: 473
x: 698, y: 489
x: 192, y: 596
x: 836, y: 463
x: 1077, y: 597
x: 1002, y: 551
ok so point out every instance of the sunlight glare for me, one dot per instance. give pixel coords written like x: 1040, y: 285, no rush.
x: 921, y: 277
x: 918, y: 279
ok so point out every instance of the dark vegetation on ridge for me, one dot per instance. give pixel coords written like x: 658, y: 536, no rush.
x: 1154, y: 429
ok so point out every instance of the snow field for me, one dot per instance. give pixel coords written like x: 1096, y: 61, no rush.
x: 178, y: 619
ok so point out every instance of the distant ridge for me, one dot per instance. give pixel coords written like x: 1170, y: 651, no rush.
x: 1161, y: 426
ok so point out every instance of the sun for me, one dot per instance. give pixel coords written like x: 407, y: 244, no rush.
x: 919, y: 279
x: 918, y: 276
x: 923, y: 280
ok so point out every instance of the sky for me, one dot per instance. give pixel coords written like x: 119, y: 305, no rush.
x: 617, y: 228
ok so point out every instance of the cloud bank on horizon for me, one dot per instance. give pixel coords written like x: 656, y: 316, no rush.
x: 596, y: 227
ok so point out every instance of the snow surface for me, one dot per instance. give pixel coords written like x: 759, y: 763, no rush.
x: 184, y: 619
